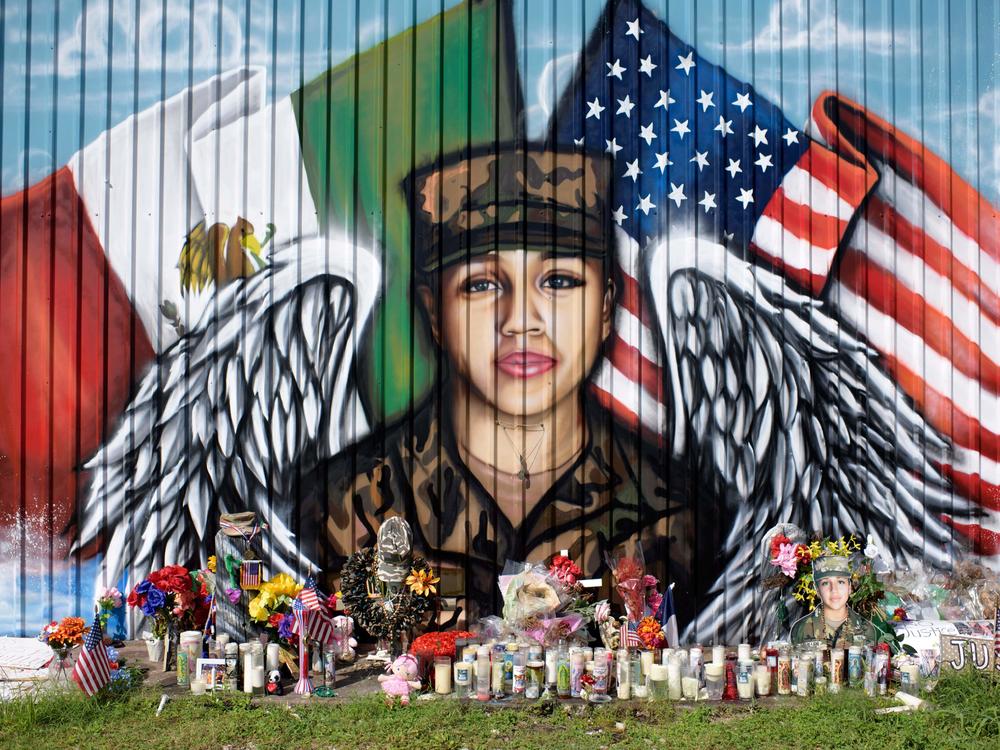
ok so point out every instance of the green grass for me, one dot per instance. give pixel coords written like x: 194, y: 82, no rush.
x: 966, y: 714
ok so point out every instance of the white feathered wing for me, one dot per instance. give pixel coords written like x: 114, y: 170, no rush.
x: 790, y: 419
x: 261, y: 389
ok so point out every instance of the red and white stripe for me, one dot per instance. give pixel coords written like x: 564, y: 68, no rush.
x: 805, y: 220
x: 628, y: 638
x: 318, y: 625
x: 920, y: 279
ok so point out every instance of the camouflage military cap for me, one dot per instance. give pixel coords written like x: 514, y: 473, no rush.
x: 831, y: 565
x: 510, y: 198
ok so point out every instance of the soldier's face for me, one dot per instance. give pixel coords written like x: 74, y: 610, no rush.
x: 522, y: 328
x: 834, y: 592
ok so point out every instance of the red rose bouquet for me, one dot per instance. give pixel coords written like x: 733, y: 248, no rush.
x: 171, y: 595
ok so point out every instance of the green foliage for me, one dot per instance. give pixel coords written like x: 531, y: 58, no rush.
x: 966, y: 715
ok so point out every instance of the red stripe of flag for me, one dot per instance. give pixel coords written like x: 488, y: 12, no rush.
x: 889, y: 295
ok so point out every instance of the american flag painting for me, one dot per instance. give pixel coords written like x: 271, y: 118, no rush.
x: 92, y: 670
x: 696, y: 151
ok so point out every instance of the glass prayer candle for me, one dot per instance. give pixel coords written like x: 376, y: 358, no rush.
x: 520, y: 680
x: 803, y: 684
x: 743, y: 652
x: 696, y: 660
x: 329, y: 664
x: 551, y: 667
x: 744, y: 679
x: 600, y: 690
x: 508, y: 667
x: 646, y: 658
x: 563, y: 675
x: 762, y: 676
x: 718, y: 654
x: 665, y: 655
x: 855, y: 667
x: 820, y: 684
x: 623, y: 674
x: 784, y: 674
x: 658, y: 681
x: 483, y: 673
x: 772, y: 667
x: 909, y: 678
x: 715, y: 680
x: 836, y: 669
x: 498, y: 669
x: 674, y: 689
x: 536, y: 678
x: 577, y: 667
x: 462, y: 678
x: 442, y: 675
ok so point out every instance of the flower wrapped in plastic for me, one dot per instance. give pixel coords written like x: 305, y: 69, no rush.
x: 530, y: 593
x: 628, y: 566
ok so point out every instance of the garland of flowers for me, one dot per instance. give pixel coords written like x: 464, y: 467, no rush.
x: 409, y: 604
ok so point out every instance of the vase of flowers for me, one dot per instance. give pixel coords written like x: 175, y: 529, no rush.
x: 62, y: 637
x: 175, y: 599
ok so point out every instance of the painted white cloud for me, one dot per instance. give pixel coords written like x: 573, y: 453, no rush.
x: 801, y: 24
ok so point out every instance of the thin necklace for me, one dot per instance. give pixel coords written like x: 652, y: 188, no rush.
x: 526, y: 460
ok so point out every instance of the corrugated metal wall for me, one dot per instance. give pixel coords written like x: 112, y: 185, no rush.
x: 534, y: 275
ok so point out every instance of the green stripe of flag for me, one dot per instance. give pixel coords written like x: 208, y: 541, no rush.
x: 446, y: 84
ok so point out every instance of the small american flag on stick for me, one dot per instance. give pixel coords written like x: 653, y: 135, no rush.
x: 629, y: 638
x: 92, y: 670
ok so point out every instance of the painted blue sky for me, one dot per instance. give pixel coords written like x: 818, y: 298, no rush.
x: 928, y: 66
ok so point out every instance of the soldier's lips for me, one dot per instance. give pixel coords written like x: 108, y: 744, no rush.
x: 525, y: 364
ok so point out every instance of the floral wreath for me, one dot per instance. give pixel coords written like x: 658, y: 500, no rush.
x: 364, y: 596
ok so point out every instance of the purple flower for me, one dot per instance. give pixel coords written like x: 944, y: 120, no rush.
x: 285, y: 627
x: 112, y: 653
x: 154, y: 600
x: 233, y: 594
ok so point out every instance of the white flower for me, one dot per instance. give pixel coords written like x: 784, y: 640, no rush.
x: 602, y: 611
x: 871, y: 551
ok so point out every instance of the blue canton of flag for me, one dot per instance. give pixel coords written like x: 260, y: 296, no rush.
x: 692, y: 146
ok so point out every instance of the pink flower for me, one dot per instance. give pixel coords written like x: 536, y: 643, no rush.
x: 602, y: 611
x: 654, y: 599
x: 650, y: 582
x: 786, y: 559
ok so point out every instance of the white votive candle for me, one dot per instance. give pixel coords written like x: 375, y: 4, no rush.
x: 743, y: 652
x: 198, y: 687
x: 273, y: 659
x: 674, y: 691
x: 646, y: 659
x: 258, y: 680
x: 248, y: 673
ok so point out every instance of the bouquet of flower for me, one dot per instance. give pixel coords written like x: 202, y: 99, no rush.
x: 650, y: 633
x: 110, y: 600
x: 631, y: 582
x: 65, y: 634
x: 172, y: 595
x: 544, y: 604
x: 273, y: 607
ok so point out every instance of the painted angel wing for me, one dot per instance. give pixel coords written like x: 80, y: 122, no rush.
x: 791, y: 420
x: 260, y: 389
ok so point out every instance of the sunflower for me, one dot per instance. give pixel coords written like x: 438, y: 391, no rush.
x: 421, y: 582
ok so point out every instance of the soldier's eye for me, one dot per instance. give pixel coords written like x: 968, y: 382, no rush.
x: 475, y: 286
x: 561, y: 281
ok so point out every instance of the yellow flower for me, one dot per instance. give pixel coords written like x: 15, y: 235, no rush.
x: 421, y: 582
x: 259, y: 606
x: 211, y: 563
x: 282, y: 585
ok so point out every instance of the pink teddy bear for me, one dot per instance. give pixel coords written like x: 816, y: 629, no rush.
x: 401, y: 680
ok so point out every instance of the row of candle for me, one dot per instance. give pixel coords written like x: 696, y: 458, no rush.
x: 495, y: 670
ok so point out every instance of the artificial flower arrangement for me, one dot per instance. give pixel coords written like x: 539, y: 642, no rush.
x: 109, y: 600
x: 441, y: 643
x: 273, y: 607
x: 173, y: 595
x: 65, y: 634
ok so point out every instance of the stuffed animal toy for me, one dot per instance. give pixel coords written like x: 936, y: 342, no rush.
x: 274, y: 686
x: 343, y: 633
x: 401, y: 679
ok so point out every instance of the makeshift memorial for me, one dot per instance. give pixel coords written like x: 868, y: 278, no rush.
x: 385, y: 588
x: 400, y: 680
x: 62, y: 637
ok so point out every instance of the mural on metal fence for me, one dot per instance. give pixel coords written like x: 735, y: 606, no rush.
x: 530, y: 302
